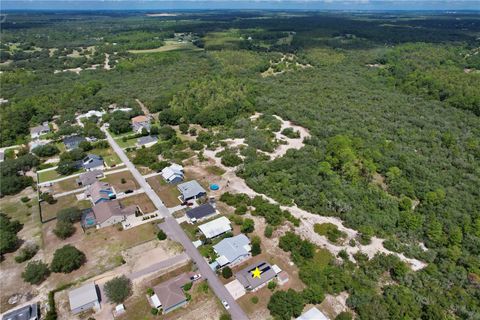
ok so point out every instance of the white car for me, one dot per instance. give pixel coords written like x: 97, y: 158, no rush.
x: 195, y: 277
x: 225, y: 304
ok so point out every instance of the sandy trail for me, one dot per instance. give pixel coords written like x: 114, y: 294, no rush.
x: 230, y: 182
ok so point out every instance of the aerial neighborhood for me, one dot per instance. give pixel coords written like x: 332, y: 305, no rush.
x: 273, y: 160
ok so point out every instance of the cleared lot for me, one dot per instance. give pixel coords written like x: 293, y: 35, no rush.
x: 141, y: 200
x: 50, y: 210
x: 122, y: 181
x: 167, y: 192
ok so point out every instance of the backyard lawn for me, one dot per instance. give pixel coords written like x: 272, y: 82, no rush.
x: 52, y: 174
x: 167, y: 192
x: 50, y: 210
x: 129, y: 143
x: 65, y: 185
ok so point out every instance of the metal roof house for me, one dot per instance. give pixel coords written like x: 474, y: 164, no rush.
x: 251, y: 283
x: 232, y: 251
x: 215, y: 227
x: 191, y: 190
x: 72, y: 142
x: 169, y: 295
x: 93, y: 162
x: 173, y: 173
x: 84, y: 298
x: 201, y: 212
x: 38, y: 131
x: 313, y: 314
x: 29, y: 312
x: 89, y: 177
x: 100, y: 192
x: 146, y: 141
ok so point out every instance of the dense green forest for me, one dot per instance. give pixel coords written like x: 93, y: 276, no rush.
x: 392, y: 102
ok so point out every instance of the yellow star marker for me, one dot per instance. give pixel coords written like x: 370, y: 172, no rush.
x: 256, y: 273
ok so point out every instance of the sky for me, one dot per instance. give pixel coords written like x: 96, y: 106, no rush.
x: 381, y: 5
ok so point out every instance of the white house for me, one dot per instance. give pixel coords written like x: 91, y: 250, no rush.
x: 173, y: 173
x: 215, y: 227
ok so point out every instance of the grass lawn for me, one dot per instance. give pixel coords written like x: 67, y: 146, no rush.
x: 52, y: 175
x: 190, y: 230
x: 51, y: 210
x: 60, y: 146
x: 126, y: 144
x: 121, y: 135
x: 141, y: 200
x: 66, y: 185
x: 115, y: 180
x: 109, y: 156
x: 167, y: 192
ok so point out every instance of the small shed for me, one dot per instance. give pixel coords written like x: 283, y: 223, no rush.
x: 84, y: 298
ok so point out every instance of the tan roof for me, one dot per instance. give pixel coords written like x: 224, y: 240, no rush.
x: 140, y: 119
x: 105, y: 210
x: 170, y: 292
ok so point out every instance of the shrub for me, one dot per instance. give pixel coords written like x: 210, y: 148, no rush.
x: 330, y: 231
x: 195, y: 145
x: 150, y: 292
x: 272, y: 285
x: 123, y: 181
x: 154, y: 311
x: 290, y: 133
x: 47, y: 150
x: 47, y: 197
x: 268, y: 231
x: 256, y: 248
x: 192, y: 131
x: 67, y: 259
x: 118, y: 289
x: 161, y: 235
x: 64, y: 229
x: 344, y: 315
x: 254, y: 299
x: 248, y: 226
x: 227, y: 272
x: 225, y: 316
x: 35, y: 272
x: 183, y: 127
x: 27, y: 253
x: 25, y: 199
x: 241, y: 210
x: 230, y: 159
x: 188, y: 286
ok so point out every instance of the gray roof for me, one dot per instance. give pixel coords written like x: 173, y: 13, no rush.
x: 190, y: 189
x: 82, y: 296
x: 72, y: 142
x: 201, y: 211
x: 146, y: 139
x: 89, y: 177
x: 170, y: 293
x: 313, y: 314
x: 24, y: 313
x: 233, y: 248
x: 249, y: 282
x: 92, y: 161
x: 40, y: 129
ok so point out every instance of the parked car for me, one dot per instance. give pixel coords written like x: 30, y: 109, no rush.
x: 225, y: 304
x: 195, y: 277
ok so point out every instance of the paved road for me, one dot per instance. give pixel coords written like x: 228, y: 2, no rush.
x: 172, y: 227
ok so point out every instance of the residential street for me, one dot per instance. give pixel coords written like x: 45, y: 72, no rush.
x: 173, y: 228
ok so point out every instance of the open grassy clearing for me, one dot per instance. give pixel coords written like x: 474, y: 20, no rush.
x: 170, y: 45
x: 141, y: 200
x: 116, y: 179
x: 128, y: 143
x: 167, y: 192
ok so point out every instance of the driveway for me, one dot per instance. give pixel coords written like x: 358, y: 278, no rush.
x: 173, y: 228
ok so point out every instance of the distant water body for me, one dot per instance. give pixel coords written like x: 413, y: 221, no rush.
x: 310, y: 5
